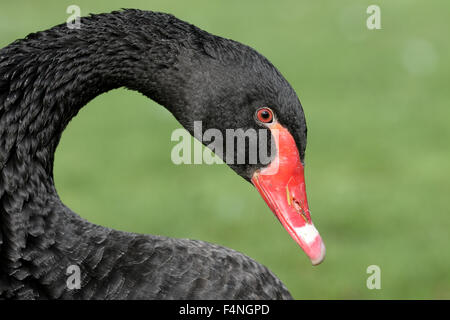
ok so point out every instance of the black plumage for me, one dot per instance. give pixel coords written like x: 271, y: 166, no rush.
x: 46, y: 78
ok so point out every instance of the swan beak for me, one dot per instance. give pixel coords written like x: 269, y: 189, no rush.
x: 282, y: 186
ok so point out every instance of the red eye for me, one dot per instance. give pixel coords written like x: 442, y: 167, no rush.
x: 264, y: 115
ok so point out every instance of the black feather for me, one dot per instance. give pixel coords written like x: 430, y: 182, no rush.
x: 44, y: 81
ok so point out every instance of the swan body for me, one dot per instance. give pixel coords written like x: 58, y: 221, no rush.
x: 44, y: 81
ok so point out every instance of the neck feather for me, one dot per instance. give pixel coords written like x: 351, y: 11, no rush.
x: 45, y: 80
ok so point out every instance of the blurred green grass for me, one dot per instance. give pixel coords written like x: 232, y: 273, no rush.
x: 377, y: 108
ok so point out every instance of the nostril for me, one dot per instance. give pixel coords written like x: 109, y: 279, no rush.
x: 298, y: 207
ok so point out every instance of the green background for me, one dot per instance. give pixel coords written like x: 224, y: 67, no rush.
x: 377, y: 107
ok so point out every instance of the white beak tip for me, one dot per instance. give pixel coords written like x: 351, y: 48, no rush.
x: 320, y: 258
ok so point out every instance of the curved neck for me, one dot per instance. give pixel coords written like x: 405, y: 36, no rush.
x: 44, y: 81
x: 49, y: 76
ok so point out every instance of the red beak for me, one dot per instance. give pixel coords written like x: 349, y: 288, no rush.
x: 282, y: 186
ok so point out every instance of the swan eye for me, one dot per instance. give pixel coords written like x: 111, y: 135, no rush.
x: 264, y: 115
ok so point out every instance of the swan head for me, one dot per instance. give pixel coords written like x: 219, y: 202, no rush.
x: 253, y: 120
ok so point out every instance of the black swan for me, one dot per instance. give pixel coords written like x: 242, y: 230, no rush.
x: 44, y: 81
